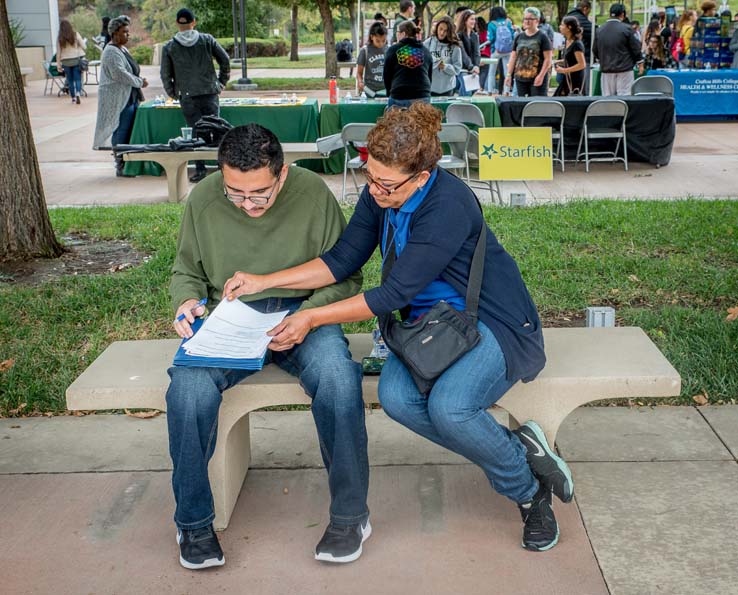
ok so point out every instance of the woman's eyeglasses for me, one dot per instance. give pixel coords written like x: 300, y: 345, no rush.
x: 388, y: 190
x: 238, y: 199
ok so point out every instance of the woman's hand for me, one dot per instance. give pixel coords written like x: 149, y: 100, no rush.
x: 243, y: 284
x: 291, y: 331
x: 538, y: 81
x: 475, y: 70
x: 560, y: 69
x: 145, y: 84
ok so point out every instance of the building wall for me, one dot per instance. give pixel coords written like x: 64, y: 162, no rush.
x: 40, y: 19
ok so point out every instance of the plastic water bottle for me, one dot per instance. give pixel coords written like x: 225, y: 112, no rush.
x: 362, y: 97
x: 293, y: 99
x: 285, y: 98
x: 348, y: 98
x: 708, y: 66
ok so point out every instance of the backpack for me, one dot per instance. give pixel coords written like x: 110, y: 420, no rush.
x: 343, y: 51
x: 503, y: 39
x: 211, y: 129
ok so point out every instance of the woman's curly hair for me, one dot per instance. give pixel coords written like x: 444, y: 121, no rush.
x: 407, y: 138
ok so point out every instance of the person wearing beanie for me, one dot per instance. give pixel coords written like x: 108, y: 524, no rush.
x: 188, y: 75
x: 618, y: 51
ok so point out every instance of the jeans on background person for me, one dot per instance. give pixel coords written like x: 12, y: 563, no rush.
x: 528, y: 89
x: 122, y: 134
x: 73, y: 74
x: 392, y: 102
x: 328, y: 375
x: 454, y: 415
x: 195, y: 107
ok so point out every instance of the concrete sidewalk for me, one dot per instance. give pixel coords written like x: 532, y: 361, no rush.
x: 87, y: 509
x: 704, y: 161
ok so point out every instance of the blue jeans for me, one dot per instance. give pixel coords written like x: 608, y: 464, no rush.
x: 328, y: 375
x: 122, y: 134
x: 73, y: 75
x: 392, y: 102
x: 454, y: 414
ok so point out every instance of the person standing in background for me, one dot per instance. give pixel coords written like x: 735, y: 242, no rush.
x: 445, y: 49
x: 500, y: 34
x: 618, y: 52
x: 408, y: 69
x: 485, y: 50
x: 119, y: 93
x: 530, y: 61
x: 466, y: 27
x: 188, y: 75
x: 407, y: 12
x: 70, y: 49
x: 370, y: 62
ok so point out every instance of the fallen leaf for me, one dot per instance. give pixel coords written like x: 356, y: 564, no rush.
x: 5, y: 365
x: 700, y: 399
x: 17, y: 410
x: 143, y: 414
x: 732, y: 315
x: 634, y: 278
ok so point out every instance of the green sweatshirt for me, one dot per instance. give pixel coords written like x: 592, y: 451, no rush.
x: 217, y: 239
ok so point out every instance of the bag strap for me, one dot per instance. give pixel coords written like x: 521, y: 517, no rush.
x: 476, y: 271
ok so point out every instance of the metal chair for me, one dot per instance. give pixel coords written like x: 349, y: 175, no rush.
x: 548, y: 113
x: 653, y: 84
x: 614, y: 112
x: 458, y: 135
x: 468, y: 114
x: 352, y: 133
x: 54, y: 80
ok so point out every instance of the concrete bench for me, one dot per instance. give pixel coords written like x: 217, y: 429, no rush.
x: 175, y: 163
x: 584, y: 365
x: 350, y: 65
x: 25, y: 71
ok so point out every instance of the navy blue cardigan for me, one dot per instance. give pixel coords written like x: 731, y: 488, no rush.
x: 443, y: 235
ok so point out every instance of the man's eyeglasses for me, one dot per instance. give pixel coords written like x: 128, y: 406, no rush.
x: 238, y: 199
x: 530, y: 19
x: 388, y: 190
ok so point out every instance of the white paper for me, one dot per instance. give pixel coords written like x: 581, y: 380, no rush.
x: 234, y: 330
x: 471, y: 82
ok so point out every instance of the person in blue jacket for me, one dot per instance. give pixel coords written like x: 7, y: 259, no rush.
x: 435, y: 222
x: 502, y: 47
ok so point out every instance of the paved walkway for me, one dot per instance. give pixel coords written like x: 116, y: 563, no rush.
x: 87, y: 508
x: 704, y: 161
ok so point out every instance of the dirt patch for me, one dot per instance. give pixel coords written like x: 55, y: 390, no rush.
x: 83, y: 256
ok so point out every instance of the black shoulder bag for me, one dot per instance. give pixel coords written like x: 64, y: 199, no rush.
x: 429, y: 345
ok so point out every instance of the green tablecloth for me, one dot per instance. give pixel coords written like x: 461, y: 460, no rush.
x: 333, y: 117
x: 291, y: 124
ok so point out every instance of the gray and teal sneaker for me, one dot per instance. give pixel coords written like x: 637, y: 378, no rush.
x: 551, y: 470
x: 541, y: 531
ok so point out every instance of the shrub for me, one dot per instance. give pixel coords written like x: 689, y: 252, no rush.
x: 18, y: 32
x: 255, y: 48
x: 143, y: 54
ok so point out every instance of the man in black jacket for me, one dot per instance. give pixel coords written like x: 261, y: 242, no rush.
x: 618, y: 51
x: 187, y: 74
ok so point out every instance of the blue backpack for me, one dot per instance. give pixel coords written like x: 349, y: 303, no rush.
x: 503, y: 39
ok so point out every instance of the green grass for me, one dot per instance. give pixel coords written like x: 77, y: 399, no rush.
x: 283, y: 62
x: 670, y: 268
x: 297, y: 84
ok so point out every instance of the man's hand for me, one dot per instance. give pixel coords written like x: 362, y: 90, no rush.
x: 291, y: 331
x: 183, y: 326
x: 145, y: 84
x: 538, y: 81
x: 243, y: 284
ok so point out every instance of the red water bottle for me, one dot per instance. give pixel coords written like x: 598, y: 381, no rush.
x: 333, y: 90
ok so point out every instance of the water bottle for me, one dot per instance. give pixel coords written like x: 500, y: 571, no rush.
x: 348, y: 98
x: 333, y: 90
x: 708, y: 66
x: 285, y: 98
x: 293, y: 99
x: 362, y: 97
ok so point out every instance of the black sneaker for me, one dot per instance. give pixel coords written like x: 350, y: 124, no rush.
x: 541, y: 531
x: 199, y: 548
x: 198, y: 175
x: 550, y: 469
x: 342, y: 543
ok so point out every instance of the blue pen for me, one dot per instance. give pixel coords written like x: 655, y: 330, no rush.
x: 202, y: 302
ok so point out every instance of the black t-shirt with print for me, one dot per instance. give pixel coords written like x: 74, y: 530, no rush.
x: 529, y: 54
x: 570, y: 59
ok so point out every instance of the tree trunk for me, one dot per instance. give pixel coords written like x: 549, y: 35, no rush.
x: 352, y: 19
x: 562, y: 7
x: 293, y: 35
x: 331, y: 65
x: 25, y: 228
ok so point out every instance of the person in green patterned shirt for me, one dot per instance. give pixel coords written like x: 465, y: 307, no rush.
x: 259, y: 215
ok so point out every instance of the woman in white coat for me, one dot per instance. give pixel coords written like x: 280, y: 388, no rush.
x: 119, y: 93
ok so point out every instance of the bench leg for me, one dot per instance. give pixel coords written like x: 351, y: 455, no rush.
x: 228, y: 469
x: 549, y: 418
x: 176, y: 180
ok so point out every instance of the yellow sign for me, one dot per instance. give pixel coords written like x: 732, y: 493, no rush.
x: 515, y: 154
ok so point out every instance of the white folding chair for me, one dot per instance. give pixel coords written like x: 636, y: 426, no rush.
x: 653, y: 84
x: 548, y: 113
x: 614, y: 112
x: 352, y: 133
x: 469, y: 114
x: 456, y: 135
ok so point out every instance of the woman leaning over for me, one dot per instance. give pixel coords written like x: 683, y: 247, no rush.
x: 408, y: 68
x: 431, y: 222
x: 119, y: 93
x: 70, y: 49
